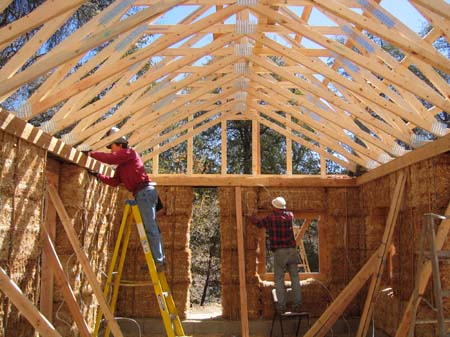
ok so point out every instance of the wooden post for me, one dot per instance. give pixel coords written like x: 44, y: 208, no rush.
x: 386, y: 244
x: 26, y: 308
x: 64, y: 285
x: 223, y: 169
x: 241, y: 256
x: 47, y: 279
x: 83, y: 259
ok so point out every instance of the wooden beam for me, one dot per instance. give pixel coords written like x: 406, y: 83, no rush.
x: 397, y: 198
x: 427, y: 151
x: 64, y: 285
x: 241, y: 262
x: 26, y: 308
x: 83, y: 259
x: 42, y: 14
x: 20, y: 128
x: 335, y: 309
x: 223, y: 148
x: 100, y: 36
x: 439, y: 7
x: 251, y: 180
x: 125, y: 63
x: 47, y: 278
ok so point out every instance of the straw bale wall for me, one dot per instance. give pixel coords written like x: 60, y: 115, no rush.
x: 22, y: 173
x: 95, y: 212
x: 427, y: 190
x: 339, y: 244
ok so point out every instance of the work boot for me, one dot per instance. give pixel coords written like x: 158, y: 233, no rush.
x: 296, y: 307
x: 281, y: 309
x: 160, y: 266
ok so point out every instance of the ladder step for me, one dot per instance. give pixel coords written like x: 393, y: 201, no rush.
x: 430, y: 321
x: 441, y: 254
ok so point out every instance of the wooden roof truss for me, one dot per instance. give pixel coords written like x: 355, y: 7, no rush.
x: 335, y: 91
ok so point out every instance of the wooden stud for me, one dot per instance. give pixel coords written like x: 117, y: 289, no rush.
x: 241, y: 258
x: 83, y: 259
x: 397, y: 198
x: 26, y: 308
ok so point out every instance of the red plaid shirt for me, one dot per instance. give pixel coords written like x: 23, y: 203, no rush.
x: 279, y: 227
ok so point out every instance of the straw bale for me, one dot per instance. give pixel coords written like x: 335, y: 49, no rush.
x: 301, y: 199
x: 175, y: 230
x: 6, y: 230
x: 343, y: 202
x: 227, y: 202
x: 228, y: 236
x: 231, y: 308
x: 180, y: 294
x: 178, y: 266
x: 177, y: 200
x: 387, y: 310
x: 230, y: 266
x: 126, y: 306
x: 249, y: 201
x: 254, y: 302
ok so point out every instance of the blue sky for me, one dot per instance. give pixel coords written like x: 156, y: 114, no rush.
x: 401, y: 9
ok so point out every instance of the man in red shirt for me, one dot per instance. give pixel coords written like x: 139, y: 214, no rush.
x: 282, y: 242
x: 130, y: 172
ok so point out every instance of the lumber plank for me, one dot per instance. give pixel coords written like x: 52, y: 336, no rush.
x: 397, y: 198
x: 64, y: 284
x: 427, y: 151
x: 78, y: 49
x: 123, y: 64
x: 335, y: 309
x: 26, y: 308
x: 223, y: 148
x: 438, y: 7
x: 241, y: 262
x: 47, y: 278
x: 252, y: 180
x: 83, y: 259
x: 42, y: 14
x: 20, y: 128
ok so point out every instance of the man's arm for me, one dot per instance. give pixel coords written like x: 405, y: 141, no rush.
x: 114, y: 158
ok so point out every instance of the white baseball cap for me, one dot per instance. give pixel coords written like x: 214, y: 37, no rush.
x: 279, y: 202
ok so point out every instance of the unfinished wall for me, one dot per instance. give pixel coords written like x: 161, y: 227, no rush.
x: 95, y: 211
x: 339, y: 245
x: 427, y: 191
x: 22, y: 172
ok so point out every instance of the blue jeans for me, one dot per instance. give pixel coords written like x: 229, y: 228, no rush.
x: 286, y: 259
x: 146, y: 200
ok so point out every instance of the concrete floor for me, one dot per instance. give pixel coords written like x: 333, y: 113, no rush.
x: 218, y: 327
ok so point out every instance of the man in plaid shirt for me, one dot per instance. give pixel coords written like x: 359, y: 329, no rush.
x: 282, y: 242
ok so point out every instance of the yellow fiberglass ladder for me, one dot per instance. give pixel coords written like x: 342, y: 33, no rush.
x: 171, y: 319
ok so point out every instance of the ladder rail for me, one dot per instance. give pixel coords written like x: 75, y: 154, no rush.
x: 436, y: 277
x: 107, y: 287
x: 428, y: 238
x: 115, y: 293
x: 416, y: 297
x: 167, y: 307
